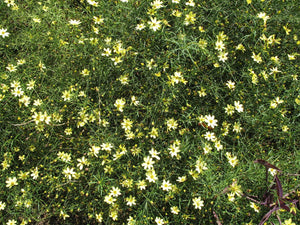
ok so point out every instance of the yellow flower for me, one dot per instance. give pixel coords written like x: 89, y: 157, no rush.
x: 2, y: 205
x: 254, y: 206
x: 288, y: 222
x: 171, y: 124
x: 4, y: 33
x: 119, y: 104
x: 11, y: 222
x: 256, y: 58
x: 154, y: 24
x: 11, y: 181
x: 99, y: 217
x: 130, y: 200
x: 198, y: 203
x: 190, y: 18
x: 85, y: 72
x: 127, y: 124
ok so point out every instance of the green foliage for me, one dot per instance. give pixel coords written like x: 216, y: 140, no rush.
x: 148, y: 111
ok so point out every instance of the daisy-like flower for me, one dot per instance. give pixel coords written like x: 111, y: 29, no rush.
x: 291, y: 56
x: 11, y: 181
x: 66, y: 95
x: 200, y: 166
x: 233, y: 161
x: 126, y: 124
x: 2, y: 205
x: 154, y: 132
x: 154, y: 153
x: 229, y: 109
x: 154, y: 24
x: 11, y: 68
x: 63, y: 214
x: 175, y: 210
x: 190, y: 18
x: 107, y: 147
x: 174, y: 150
x: 166, y: 186
x: 256, y: 58
x: 85, y: 72
x: 254, y: 206
x: 17, y: 92
x: 151, y: 176
x: 123, y: 79
x: 10, y: 2
x: 157, y: 4
x: 220, y: 46
x: 274, y: 103
x: 190, y: 3
x: 25, y: 100
x: 21, y: 61
x: 240, y: 47
x: 140, y: 26
x: 11, y: 222
x: 263, y: 16
x: 109, y: 199
x: 159, y: 221
x: 106, y: 52
x: 134, y: 101
x: 148, y: 163
x: 81, y: 162
x: 95, y: 150
x: 223, y: 56
x: 141, y: 184
x: 4, y: 33
x: 211, y: 121
x: 210, y: 136
x: 198, y: 203
x: 181, y: 179
x: 36, y: 20
x: 99, y: 217
x: 218, y: 145
x: 93, y: 3
x: 237, y: 127
x: 15, y: 84
x: 288, y: 222
x: 230, y: 84
x: 74, y: 22
x: 98, y: 19
x: 35, y: 173
x: 238, y: 106
x: 37, y: 102
x: 115, y: 191
x: 207, y: 148
x: 119, y: 104
x: 130, y: 200
x: 172, y: 124
x: 30, y: 84
x: 69, y: 173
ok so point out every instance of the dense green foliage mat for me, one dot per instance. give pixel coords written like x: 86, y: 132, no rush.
x: 149, y: 112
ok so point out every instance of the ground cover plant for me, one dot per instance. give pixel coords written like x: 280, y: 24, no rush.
x: 149, y: 112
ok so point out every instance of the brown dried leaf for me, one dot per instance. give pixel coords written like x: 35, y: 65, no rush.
x: 278, y: 187
x: 217, y: 218
x: 266, y: 164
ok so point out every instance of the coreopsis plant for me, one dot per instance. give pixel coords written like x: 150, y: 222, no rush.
x: 149, y: 112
